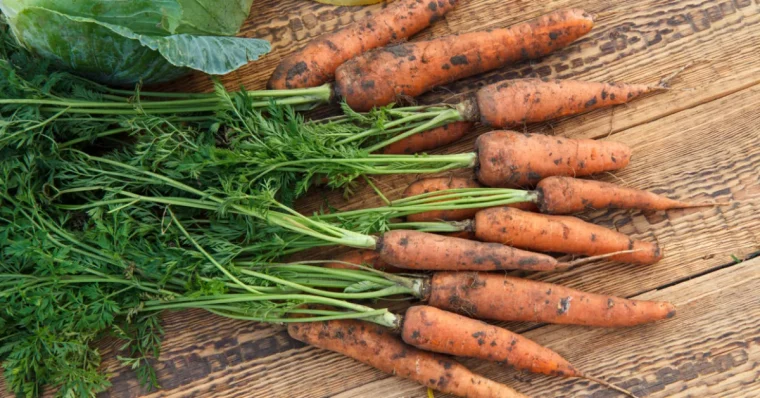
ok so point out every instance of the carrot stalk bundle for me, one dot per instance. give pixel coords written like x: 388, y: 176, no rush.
x: 376, y: 346
x: 381, y: 76
x: 432, y: 329
x: 506, y: 298
x: 563, y: 234
x: 315, y: 64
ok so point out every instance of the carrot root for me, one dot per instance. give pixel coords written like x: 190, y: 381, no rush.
x: 562, y: 234
x: 431, y: 139
x: 505, y: 298
x: 511, y: 159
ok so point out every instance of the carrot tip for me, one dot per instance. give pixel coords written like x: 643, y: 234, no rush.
x: 665, y: 82
x: 609, y: 385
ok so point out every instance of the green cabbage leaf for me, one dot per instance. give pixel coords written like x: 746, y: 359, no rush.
x: 121, y: 42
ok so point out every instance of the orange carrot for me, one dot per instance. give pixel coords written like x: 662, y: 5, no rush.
x: 381, y: 76
x: 510, y: 159
x: 432, y: 329
x: 376, y: 346
x: 564, y: 195
x: 368, y: 258
x: 563, y: 234
x: 517, y: 102
x: 316, y: 63
x: 428, y: 185
x: 430, y: 139
x: 424, y: 251
x: 506, y: 298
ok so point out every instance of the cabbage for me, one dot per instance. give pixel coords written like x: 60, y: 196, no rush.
x: 122, y: 42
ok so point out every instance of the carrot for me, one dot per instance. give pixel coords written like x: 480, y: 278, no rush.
x: 563, y: 234
x: 432, y: 329
x: 428, y: 185
x: 369, y: 258
x: 381, y: 76
x: 376, y: 346
x: 315, y: 64
x: 564, y: 195
x: 424, y: 251
x: 517, y: 102
x: 507, y: 158
x: 506, y: 298
x: 430, y: 139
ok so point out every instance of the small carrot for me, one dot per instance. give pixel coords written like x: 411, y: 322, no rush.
x: 315, y: 64
x: 507, y: 158
x: 432, y: 329
x: 368, y: 258
x: 562, y: 234
x: 424, y: 251
x: 381, y: 76
x: 564, y: 195
x: 428, y: 185
x: 378, y: 347
x: 516, y: 102
x: 506, y: 298
x: 430, y: 139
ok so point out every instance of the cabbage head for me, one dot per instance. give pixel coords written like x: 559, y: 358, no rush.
x: 121, y: 42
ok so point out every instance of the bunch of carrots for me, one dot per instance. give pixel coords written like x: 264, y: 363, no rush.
x: 462, y: 233
x: 489, y: 238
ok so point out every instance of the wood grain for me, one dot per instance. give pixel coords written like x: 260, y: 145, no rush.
x: 697, y: 141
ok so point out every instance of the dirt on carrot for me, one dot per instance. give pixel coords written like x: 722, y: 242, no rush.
x: 511, y: 159
x: 565, y: 195
x: 315, y: 64
x: 506, y: 298
x: 378, y: 347
x: 424, y: 251
x: 516, y: 102
x: 381, y: 76
x: 560, y: 234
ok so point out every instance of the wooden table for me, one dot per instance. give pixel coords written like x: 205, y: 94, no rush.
x: 699, y: 141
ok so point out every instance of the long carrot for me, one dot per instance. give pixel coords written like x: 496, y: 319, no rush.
x: 381, y: 76
x: 425, y: 251
x: 506, y: 298
x: 563, y: 234
x: 432, y: 329
x: 376, y: 346
x: 507, y: 158
x: 564, y: 195
x: 517, y: 102
x: 553, y: 195
x: 315, y: 64
x: 431, y: 139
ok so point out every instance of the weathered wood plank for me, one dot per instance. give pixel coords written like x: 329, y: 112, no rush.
x: 712, y: 348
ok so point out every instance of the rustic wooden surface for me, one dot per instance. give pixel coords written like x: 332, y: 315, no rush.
x: 699, y: 141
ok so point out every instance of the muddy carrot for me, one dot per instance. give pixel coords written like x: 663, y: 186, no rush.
x: 368, y: 258
x: 507, y: 158
x: 315, y: 64
x: 564, y: 195
x: 381, y: 76
x: 428, y: 185
x: 506, y: 298
x: 562, y: 234
x: 516, y: 102
x: 430, y: 139
x: 432, y: 329
x: 378, y: 347
x: 424, y: 251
